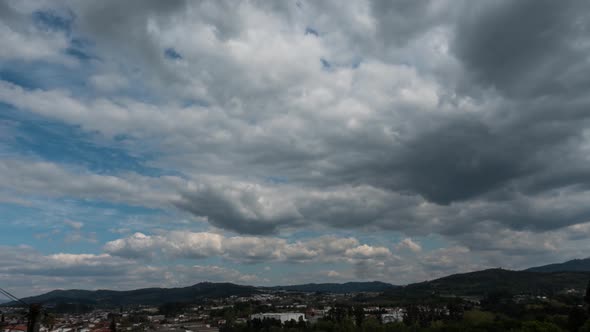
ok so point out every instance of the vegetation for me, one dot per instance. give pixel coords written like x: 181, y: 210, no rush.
x: 146, y: 296
x: 481, y: 282
x: 573, y: 265
x: 498, y: 311
x: 349, y: 287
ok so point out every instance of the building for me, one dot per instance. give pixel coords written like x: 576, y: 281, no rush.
x: 392, y: 316
x: 156, y: 318
x: 14, y: 328
x: 282, y: 316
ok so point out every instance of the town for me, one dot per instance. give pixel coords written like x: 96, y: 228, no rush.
x: 306, y: 311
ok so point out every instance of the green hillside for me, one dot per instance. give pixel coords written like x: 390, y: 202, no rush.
x: 482, y: 282
x: 147, y: 296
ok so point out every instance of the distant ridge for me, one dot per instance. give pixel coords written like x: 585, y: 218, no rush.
x: 547, y: 279
x: 348, y: 287
x: 147, y: 296
x: 480, y: 283
x: 573, y: 265
x: 191, y: 294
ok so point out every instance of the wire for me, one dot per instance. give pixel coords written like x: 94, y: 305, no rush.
x: 6, y: 295
x: 12, y: 297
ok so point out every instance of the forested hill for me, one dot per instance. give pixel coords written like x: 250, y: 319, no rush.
x: 156, y: 296
x: 573, y: 265
x: 147, y: 296
x: 477, y: 283
x: 349, y: 287
x: 482, y: 282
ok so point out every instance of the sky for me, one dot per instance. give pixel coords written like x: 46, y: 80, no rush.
x: 166, y: 143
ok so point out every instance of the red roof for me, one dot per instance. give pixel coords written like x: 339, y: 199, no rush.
x: 104, y: 329
x: 15, y: 328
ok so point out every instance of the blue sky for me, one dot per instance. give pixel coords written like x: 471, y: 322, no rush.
x: 168, y: 143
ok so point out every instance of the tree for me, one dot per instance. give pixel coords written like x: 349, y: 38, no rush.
x: 576, y: 318
x: 113, y: 317
x: 359, y: 315
x: 455, y: 310
x: 585, y: 327
x: 338, y: 313
x: 411, y: 315
x: 47, y: 321
x: 536, y: 326
x: 113, y: 326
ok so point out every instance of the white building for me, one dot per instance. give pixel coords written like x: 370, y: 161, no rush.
x: 282, y: 316
x: 392, y: 316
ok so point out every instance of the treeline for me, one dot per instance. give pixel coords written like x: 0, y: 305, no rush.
x: 498, y: 311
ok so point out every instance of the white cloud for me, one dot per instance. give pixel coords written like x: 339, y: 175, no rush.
x: 391, y: 117
x: 31, y: 46
x: 109, y: 82
x: 408, y: 244
x: 365, y: 251
x: 26, y: 271
x: 243, y: 249
x: 77, y: 225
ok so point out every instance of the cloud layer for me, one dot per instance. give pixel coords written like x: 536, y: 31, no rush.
x: 272, y: 131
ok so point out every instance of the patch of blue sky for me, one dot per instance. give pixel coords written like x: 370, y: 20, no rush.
x: 43, y: 75
x: 356, y: 63
x: 113, y: 218
x: 35, y: 136
x: 16, y: 235
x: 325, y: 64
x: 62, y: 21
x: 433, y: 242
x: 114, y: 209
x: 82, y: 49
x: 11, y: 213
x: 282, y: 274
x: 172, y: 54
x: 311, y: 31
x: 277, y: 179
x: 23, y: 224
x: 55, y: 20
x: 195, y: 102
x: 43, y: 222
x: 79, y: 54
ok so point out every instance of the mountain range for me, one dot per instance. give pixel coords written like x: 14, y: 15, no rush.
x: 546, y: 279
x: 573, y: 265
x: 146, y: 296
x: 480, y: 283
x: 335, y: 288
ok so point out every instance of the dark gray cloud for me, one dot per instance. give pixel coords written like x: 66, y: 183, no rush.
x: 460, y: 160
x: 525, y: 48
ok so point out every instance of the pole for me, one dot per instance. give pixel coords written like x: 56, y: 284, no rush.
x: 34, y: 318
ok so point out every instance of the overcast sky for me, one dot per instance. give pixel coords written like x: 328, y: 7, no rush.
x: 165, y: 143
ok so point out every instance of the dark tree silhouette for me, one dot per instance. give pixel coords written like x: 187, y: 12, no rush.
x: 359, y: 315
x: 113, y: 325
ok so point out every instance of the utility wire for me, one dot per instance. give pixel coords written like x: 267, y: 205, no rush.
x: 12, y: 297
x: 7, y: 294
